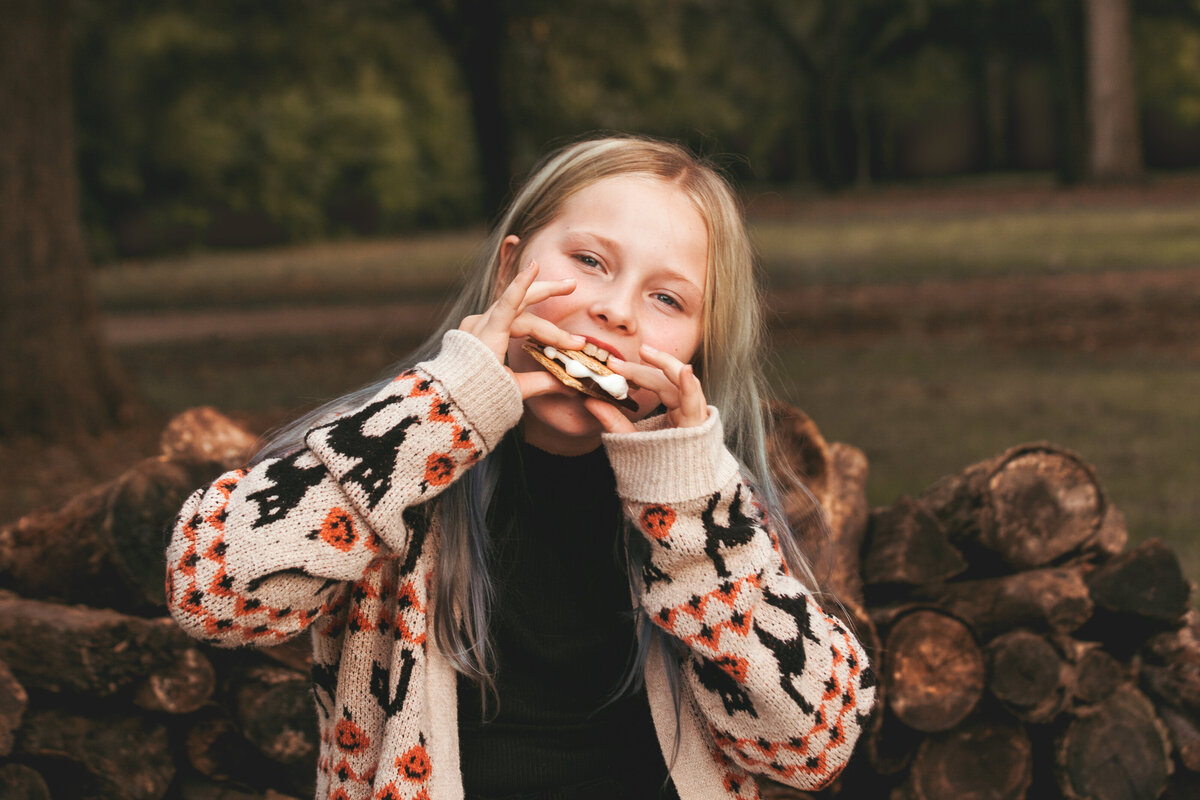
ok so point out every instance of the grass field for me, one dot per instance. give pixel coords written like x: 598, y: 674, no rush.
x: 919, y: 406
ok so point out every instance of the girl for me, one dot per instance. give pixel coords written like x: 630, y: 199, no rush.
x: 518, y: 591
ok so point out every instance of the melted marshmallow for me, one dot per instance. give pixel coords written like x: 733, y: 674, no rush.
x: 614, y: 384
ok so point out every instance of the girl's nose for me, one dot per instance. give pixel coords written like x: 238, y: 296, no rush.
x: 615, y: 309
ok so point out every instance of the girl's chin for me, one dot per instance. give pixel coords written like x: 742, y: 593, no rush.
x: 561, y: 424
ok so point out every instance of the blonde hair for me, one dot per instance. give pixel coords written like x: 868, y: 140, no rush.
x: 729, y: 364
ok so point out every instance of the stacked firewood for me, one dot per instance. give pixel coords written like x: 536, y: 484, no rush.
x: 101, y: 694
x: 1022, y: 648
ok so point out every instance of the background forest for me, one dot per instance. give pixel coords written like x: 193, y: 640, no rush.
x: 233, y: 124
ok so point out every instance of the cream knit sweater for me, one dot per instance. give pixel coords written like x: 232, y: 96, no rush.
x: 339, y: 537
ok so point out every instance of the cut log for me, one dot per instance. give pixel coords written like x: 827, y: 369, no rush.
x: 181, y: 688
x: 907, y: 545
x: 1051, y: 600
x: 846, y: 501
x: 890, y: 744
x: 124, y: 758
x: 1030, y: 505
x: 1117, y: 750
x: 1097, y: 674
x: 986, y: 759
x: 1185, y: 736
x: 78, y: 649
x: 1170, y: 669
x: 205, y: 434
x: 934, y: 672
x: 275, y: 713
x: 192, y: 789
x: 13, y: 701
x: 104, y: 547
x: 19, y: 782
x: 1027, y: 675
x: 216, y: 749
x: 1144, y: 584
x: 1112, y: 537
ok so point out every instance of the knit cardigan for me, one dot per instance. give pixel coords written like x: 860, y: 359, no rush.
x: 340, y: 537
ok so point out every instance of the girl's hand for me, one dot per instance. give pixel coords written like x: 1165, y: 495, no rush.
x: 507, y: 319
x: 673, y: 381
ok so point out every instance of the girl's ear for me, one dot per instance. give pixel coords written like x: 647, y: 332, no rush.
x: 510, y: 250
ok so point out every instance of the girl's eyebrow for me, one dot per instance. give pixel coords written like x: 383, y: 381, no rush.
x: 578, y: 233
x: 612, y: 244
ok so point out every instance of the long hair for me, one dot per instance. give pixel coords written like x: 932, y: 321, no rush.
x: 729, y: 364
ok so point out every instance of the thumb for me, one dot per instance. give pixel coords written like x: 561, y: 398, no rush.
x: 611, y: 419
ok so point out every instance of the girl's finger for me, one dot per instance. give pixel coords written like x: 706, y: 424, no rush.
x: 539, y: 382
x: 511, y: 300
x: 671, y: 366
x: 693, y: 408
x: 545, y: 332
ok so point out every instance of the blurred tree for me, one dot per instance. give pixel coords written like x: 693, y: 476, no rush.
x: 1115, y: 147
x: 475, y: 31
x: 230, y: 124
x: 837, y: 45
x: 57, y: 379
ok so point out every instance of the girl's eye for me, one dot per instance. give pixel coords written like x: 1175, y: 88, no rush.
x: 588, y: 261
x: 667, y: 299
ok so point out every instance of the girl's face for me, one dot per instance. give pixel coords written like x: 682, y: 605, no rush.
x: 638, y: 250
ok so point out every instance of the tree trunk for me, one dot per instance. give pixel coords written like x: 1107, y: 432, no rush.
x: 57, y: 378
x: 475, y: 32
x: 1115, y: 151
x: 1068, y: 87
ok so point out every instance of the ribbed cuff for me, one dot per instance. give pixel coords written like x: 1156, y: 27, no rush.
x: 479, y: 385
x: 670, y: 465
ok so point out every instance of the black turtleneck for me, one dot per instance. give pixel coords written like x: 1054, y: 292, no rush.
x: 563, y: 629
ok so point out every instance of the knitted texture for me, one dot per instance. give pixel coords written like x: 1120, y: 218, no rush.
x: 340, y: 537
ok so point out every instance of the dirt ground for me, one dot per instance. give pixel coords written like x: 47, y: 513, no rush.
x: 1156, y: 311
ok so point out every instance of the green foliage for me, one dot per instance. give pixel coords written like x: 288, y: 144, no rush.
x: 1169, y: 68
x: 193, y: 118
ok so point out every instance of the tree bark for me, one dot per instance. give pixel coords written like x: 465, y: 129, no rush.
x: 84, y: 650
x: 123, y: 758
x: 1115, y: 147
x: 57, y: 377
x: 13, y: 700
x: 1051, y: 600
x: 104, y: 547
x: 908, y: 546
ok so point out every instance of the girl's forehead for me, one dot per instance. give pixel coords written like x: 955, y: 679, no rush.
x: 633, y: 194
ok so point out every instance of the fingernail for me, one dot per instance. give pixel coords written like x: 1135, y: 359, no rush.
x: 647, y: 348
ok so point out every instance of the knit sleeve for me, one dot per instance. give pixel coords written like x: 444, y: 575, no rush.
x: 257, y: 556
x: 784, y: 689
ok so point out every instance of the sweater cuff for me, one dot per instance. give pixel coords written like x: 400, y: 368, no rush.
x: 657, y: 464
x: 478, y: 384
